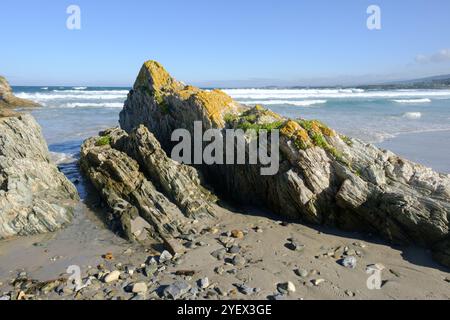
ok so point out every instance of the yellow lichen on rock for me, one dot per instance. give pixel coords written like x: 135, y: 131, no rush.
x: 319, y: 127
x: 216, y: 103
x: 187, y: 92
x: 293, y: 130
x: 154, y: 76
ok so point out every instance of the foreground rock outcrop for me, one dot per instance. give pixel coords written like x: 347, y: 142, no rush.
x: 149, y: 196
x: 324, y: 177
x: 34, y: 196
x: 9, y: 100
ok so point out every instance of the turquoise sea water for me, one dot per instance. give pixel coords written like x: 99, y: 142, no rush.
x: 413, y: 123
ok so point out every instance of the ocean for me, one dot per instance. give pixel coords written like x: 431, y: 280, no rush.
x: 413, y: 123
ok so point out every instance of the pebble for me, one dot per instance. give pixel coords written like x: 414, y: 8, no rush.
x: 277, y: 296
x: 219, y: 270
x: 349, y: 293
x: 130, y: 269
x: 203, y: 283
x: 244, y: 289
x: 234, y: 249
x: 165, y: 256
x: 238, y: 234
x: 112, y: 276
x: 108, y: 256
x: 214, y: 230
x: 258, y: 230
x: 140, y: 288
x: 150, y: 270
x: 302, y: 273
x: 349, y: 262
x: 176, y: 290
x: 5, y: 298
x: 287, y: 287
x: 447, y: 279
x: 295, y: 246
x: 238, y: 261
x: 317, y: 282
x: 219, y: 254
x: 185, y: 273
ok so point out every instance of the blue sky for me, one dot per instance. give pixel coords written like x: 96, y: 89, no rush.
x: 223, y: 43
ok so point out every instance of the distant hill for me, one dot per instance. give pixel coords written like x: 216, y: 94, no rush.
x: 435, y: 82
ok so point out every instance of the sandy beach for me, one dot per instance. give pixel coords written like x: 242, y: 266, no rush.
x: 268, y: 260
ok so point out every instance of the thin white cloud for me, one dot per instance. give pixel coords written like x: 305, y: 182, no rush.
x: 438, y: 57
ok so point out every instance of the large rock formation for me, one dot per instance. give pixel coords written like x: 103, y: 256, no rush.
x: 34, y: 196
x: 324, y: 177
x: 8, y: 100
x: 139, y: 182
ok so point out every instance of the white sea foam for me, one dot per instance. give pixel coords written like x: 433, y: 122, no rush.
x: 300, y: 103
x: 412, y: 115
x: 280, y: 94
x: 80, y: 88
x: 62, y: 158
x: 92, y: 105
x: 92, y: 92
x: 100, y: 95
x: 408, y: 101
x: 44, y: 88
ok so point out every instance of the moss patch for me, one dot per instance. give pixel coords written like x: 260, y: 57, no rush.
x: 103, y: 141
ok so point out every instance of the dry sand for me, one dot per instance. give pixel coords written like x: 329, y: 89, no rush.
x: 409, y: 273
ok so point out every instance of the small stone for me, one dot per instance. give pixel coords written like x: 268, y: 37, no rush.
x: 130, y: 269
x: 295, y: 246
x: 112, y: 276
x: 176, y: 290
x: 214, y: 230
x: 190, y: 245
x: 349, y: 293
x: 234, y: 249
x: 219, y: 270
x: 139, y: 288
x: 244, y: 289
x: 238, y: 234
x: 150, y: 270
x: 349, y: 262
x: 287, y: 287
x: 219, y: 254
x: 203, y: 283
x: 258, y: 229
x: 302, y: 273
x: 5, y: 298
x: 447, y: 279
x: 238, y: 261
x: 165, y: 256
x: 108, y: 256
x: 277, y: 296
x: 185, y: 273
x: 317, y: 282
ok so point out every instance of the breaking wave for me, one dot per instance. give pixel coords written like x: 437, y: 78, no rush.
x: 299, y: 103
